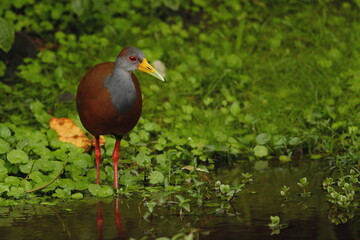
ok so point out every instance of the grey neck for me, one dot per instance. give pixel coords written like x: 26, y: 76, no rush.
x: 122, y: 89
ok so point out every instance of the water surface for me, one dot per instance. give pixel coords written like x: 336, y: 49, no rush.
x: 247, y: 218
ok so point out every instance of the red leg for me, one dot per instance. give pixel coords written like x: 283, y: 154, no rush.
x: 115, y: 156
x: 97, y: 158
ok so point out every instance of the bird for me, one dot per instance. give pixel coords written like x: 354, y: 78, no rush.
x: 109, y: 101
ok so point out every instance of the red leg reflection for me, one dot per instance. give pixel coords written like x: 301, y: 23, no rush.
x: 99, y: 221
x: 118, y: 221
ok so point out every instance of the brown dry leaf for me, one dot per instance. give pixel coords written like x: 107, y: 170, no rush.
x: 69, y: 132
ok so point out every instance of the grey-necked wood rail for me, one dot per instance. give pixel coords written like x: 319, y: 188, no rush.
x: 109, y: 100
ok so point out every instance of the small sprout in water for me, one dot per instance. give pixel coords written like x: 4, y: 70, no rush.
x: 285, y: 192
x: 150, y: 208
x: 275, y: 221
x: 275, y: 225
x: 303, y: 183
x: 227, y: 192
x: 247, y: 177
x: 69, y: 210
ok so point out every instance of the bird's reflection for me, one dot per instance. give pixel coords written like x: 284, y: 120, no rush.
x: 117, y: 218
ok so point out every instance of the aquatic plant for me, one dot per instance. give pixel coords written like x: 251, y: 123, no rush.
x: 285, y: 192
x: 303, y: 183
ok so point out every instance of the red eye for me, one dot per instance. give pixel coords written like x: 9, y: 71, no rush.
x: 133, y: 59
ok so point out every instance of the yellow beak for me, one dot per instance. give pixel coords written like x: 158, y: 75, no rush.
x: 147, y: 68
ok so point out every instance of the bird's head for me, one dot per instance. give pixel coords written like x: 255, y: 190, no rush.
x: 132, y: 59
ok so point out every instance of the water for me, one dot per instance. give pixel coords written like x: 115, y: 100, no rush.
x: 247, y: 218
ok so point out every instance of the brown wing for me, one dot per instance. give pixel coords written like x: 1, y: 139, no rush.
x: 96, y: 111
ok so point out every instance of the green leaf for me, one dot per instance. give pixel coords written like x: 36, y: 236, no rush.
x: 142, y: 159
x: 16, y: 192
x: 36, y: 176
x: 81, y: 185
x: 235, y: 108
x: 40, y: 114
x: 80, y: 6
x: 7, y: 34
x: 129, y: 178
x: 105, y: 191
x: 186, y: 206
x: 62, y: 193
x: 304, y: 181
x: 279, y: 140
x: 156, y: 177
x: 180, y: 198
x: 353, y: 129
x: 66, y: 184
x: 316, y: 156
x: 13, y: 181
x: 173, y: 5
x: 263, y: 138
x: 17, y: 156
x: 260, y: 151
x: 44, y: 165
x: 83, y: 160
x: 26, y: 184
x: 233, y: 61
x: 77, y: 196
x: 212, y: 204
x: 47, y: 56
x: 4, y: 132
x: 294, y: 141
x: 151, y: 205
x: 4, y: 188
x: 4, y: 146
x: 3, y: 172
x: 134, y: 138
x: 224, y: 188
x: 94, y: 189
x: 284, y: 158
x: 275, y: 220
x: 338, y: 125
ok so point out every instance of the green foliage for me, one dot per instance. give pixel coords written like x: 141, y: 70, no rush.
x: 342, y: 197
